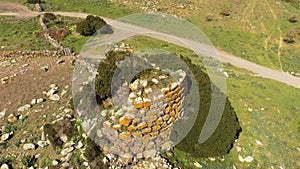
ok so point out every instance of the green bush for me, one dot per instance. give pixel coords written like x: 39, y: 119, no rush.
x: 33, y: 1
x: 49, y: 17
x: 106, y: 71
x: 28, y: 161
x: 52, y: 136
x: 91, y: 24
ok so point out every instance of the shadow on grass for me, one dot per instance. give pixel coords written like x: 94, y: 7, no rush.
x: 228, y: 130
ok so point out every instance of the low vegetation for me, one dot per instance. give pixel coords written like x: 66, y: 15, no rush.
x: 91, y: 25
x: 33, y: 1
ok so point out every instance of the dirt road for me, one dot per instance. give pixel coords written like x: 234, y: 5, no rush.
x: 19, y: 11
x: 223, y: 56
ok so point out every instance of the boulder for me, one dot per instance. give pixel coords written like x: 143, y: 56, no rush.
x: 24, y: 108
x: 67, y: 150
x: 12, y: 118
x: 4, y: 166
x: 29, y: 146
x: 5, y: 137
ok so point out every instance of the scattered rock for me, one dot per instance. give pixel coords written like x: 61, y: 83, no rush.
x: 64, y: 138
x: 4, y: 80
x: 2, y: 113
x: 69, y: 144
x: 5, y: 64
x: 52, y: 91
x: 33, y: 102
x: 60, y: 61
x: 259, y: 143
x: 67, y: 157
x: 248, y: 159
x: 12, y: 118
x: 25, y: 65
x: 65, y: 164
x: 28, y: 146
x: 154, y: 81
x: 4, y: 166
x: 42, y: 144
x: 39, y: 100
x: 55, y: 162
x: 22, y: 117
x: 24, y: 108
x: 53, y: 86
x: 54, y: 97
x: 79, y: 145
x: 5, y: 136
x: 67, y: 150
x: 226, y: 74
x: 196, y: 164
x: 45, y: 68
x: 212, y: 159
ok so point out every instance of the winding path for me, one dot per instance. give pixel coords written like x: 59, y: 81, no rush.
x: 223, y: 56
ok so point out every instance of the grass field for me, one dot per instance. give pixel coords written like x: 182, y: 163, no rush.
x: 23, y: 35
x: 267, y: 111
x: 270, y: 125
x: 254, y: 30
x: 97, y: 7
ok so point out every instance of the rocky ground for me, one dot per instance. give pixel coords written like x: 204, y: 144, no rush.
x: 39, y: 128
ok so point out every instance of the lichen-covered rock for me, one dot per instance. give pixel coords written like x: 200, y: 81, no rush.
x: 124, y: 121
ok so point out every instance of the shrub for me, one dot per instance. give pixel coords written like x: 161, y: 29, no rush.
x: 106, y: 71
x: 92, y: 150
x: 290, y: 37
x: 84, y: 28
x: 91, y: 24
x: 4, y: 161
x: 49, y: 17
x: 33, y: 1
x: 58, y: 33
x: 208, y: 18
x: 28, y: 161
x: 52, y: 136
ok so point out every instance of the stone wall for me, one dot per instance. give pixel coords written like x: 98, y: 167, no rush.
x: 142, y: 127
x: 51, y: 40
x: 56, y: 53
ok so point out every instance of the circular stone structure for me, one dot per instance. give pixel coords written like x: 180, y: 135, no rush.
x: 142, y: 127
x: 145, y: 114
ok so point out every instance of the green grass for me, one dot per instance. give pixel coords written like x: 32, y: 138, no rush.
x: 276, y: 125
x: 255, y: 35
x: 22, y: 35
